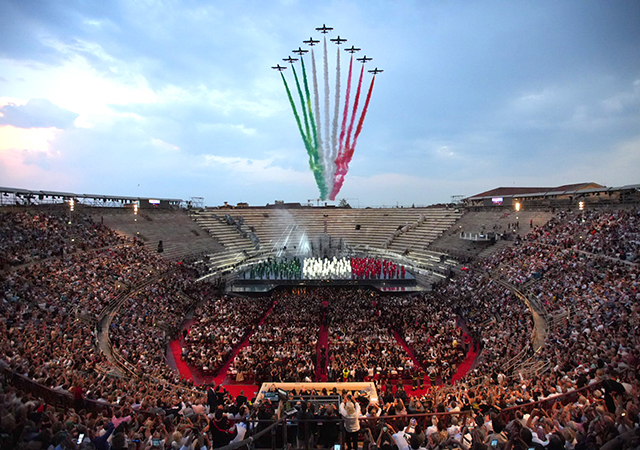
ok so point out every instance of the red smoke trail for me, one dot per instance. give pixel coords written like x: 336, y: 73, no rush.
x: 364, y: 113
x: 343, y: 168
x: 355, y: 109
x: 346, y: 111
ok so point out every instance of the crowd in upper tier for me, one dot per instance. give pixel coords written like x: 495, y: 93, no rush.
x: 28, y: 236
x: 615, y: 234
x: 576, y: 268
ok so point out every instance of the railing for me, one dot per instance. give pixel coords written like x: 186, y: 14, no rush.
x: 286, y: 423
x: 106, y: 316
x: 280, y: 429
x: 476, y: 236
x: 534, y: 308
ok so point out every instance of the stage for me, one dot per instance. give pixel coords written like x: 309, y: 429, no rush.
x: 278, y: 390
x: 263, y: 276
x: 247, y: 286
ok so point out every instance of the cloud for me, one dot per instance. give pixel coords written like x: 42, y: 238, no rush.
x: 398, y: 189
x: 226, y: 127
x: 37, y: 113
x: 617, y: 166
x: 626, y: 100
x: 256, y: 171
x: 26, y: 139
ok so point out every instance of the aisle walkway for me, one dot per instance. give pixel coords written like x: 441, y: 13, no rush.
x: 463, y: 368
x: 192, y: 373
x: 322, y: 347
x: 175, y: 347
x: 406, y: 348
x: 466, y: 365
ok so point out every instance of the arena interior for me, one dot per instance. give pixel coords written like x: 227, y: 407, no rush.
x: 507, y: 320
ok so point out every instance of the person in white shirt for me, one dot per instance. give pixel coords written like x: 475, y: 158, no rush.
x: 453, y: 428
x: 350, y: 411
x: 399, y: 437
x: 434, y: 426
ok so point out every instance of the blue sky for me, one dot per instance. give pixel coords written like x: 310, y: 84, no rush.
x: 178, y: 98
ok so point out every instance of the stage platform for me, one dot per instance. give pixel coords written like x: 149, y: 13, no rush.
x: 268, y: 390
x: 257, y: 286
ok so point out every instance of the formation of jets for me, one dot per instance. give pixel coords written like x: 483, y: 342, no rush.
x: 311, y: 42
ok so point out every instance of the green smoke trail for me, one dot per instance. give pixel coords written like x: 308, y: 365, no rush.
x: 295, y: 112
x: 313, y: 165
x: 308, y: 95
x: 302, y: 102
x: 315, y: 152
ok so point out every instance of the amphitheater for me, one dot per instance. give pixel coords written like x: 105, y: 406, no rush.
x: 466, y: 325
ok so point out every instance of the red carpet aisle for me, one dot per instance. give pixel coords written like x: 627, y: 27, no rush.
x: 408, y: 349
x: 323, y: 346
x: 466, y: 365
x: 176, y: 352
x: 408, y: 387
x: 461, y: 372
x: 192, y: 373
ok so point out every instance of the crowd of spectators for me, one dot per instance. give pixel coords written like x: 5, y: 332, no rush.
x: 431, y: 330
x: 615, y: 234
x: 221, y: 324
x: 284, y: 347
x: 40, y: 330
x: 33, y: 236
x: 361, y: 346
x: 591, y: 302
x: 42, y: 338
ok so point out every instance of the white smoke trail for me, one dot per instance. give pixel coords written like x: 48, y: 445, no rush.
x: 334, y: 133
x: 317, y: 110
x: 327, y: 149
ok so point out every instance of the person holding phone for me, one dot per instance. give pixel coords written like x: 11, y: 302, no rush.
x: 497, y: 439
x: 384, y: 437
x: 398, y: 437
x: 328, y: 429
x: 350, y: 411
x: 411, y: 428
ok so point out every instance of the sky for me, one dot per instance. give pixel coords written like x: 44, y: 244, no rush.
x: 177, y: 99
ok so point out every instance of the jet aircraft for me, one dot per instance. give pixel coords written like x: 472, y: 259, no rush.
x: 279, y: 68
x: 311, y: 42
x: 290, y: 59
x: 338, y: 40
x: 324, y: 29
x: 364, y: 59
x: 352, y: 49
x: 376, y: 70
x: 300, y: 51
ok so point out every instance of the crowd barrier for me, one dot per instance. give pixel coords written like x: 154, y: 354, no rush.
x: 285, y: 428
